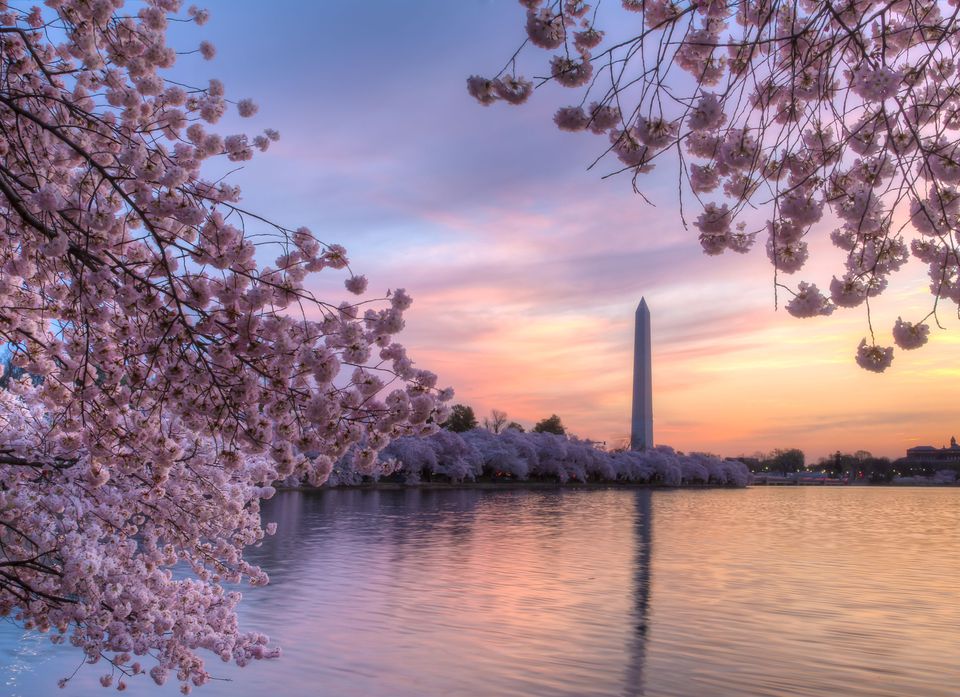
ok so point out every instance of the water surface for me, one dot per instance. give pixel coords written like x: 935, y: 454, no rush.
x: 800, y: 591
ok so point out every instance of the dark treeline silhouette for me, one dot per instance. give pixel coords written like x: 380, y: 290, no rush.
x: 780, y: 460
x: 462, y: 419
x: 551, y: 424
x: 860, y: 465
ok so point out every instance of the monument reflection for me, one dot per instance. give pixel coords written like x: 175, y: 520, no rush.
x: 643, y: 539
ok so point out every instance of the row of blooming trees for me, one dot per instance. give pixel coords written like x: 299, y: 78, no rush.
x: 518, y: 456
x: 169, y: 375
x: 806, y: 110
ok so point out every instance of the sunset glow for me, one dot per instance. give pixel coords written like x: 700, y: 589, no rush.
x: 525, y: 269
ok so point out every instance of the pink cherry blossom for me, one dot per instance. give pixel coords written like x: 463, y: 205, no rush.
x: 704, y: 178
x: 587, y: 39
x: 788, y: 257
x: 481, y: 89
x: 545, y: 28
x: 630, y: 150
x: 714, y: 219
x: 519, y: 456
x: 570, y: 72
x: 809, y: 302
x: 515, y: 90
x: 356, y: 284
x: 603, y: 117
x: 714, y: 243
x: 849, y: 291
x: 849, y: 113
x: 571, y: 118
x: 169, y: 376
x: 656, y: 132
x: 246, y: 108
x: 874, y: 358
x: 875, y: 83
x: 910, y: 336
x: 707, y: 115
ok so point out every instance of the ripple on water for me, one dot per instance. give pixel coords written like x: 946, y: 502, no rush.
x: 768, y: 592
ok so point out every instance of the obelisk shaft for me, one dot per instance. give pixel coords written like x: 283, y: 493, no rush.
x: 641, y: 436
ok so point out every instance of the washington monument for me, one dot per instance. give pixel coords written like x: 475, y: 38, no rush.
x: 641, y: 436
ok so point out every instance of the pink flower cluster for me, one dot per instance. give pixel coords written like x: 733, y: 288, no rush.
x: 522, y: 456
x: 167, y: 377
x: 788, y: 109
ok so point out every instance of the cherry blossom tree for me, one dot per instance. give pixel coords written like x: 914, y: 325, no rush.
x: 165, y: 375
x: 546, y: 456
x: 807, y: 111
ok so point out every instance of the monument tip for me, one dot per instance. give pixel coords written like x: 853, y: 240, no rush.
x: 642, y: 305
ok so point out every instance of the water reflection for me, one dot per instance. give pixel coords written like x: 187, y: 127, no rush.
x: 643, y: 536
x: 463, y: 586
x: 560, y: 593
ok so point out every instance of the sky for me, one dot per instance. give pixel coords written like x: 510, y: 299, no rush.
x: 525, y: 267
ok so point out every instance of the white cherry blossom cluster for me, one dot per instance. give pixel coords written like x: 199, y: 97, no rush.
x: 164, y: 376
x: 523, y: 456
x: 804, y: 110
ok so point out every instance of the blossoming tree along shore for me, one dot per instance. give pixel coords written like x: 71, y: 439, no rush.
x: 543, y: 456
x: 796, y: 108
x: 169, y: 377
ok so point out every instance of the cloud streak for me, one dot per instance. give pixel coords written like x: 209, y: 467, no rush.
x: 525, y: 269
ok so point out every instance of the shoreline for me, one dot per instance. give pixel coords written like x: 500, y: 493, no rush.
x: 540, y: 485
x: 492, y: 486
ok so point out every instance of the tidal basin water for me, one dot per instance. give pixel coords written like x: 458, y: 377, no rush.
x: 804, y: 591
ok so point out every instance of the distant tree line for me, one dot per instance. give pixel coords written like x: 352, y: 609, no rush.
x: 860, y: 465
x: 462, y: 419
x: 780, y: 460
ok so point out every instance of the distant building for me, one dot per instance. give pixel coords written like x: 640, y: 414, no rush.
x: 928, y: 455
x: 926, y: 464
